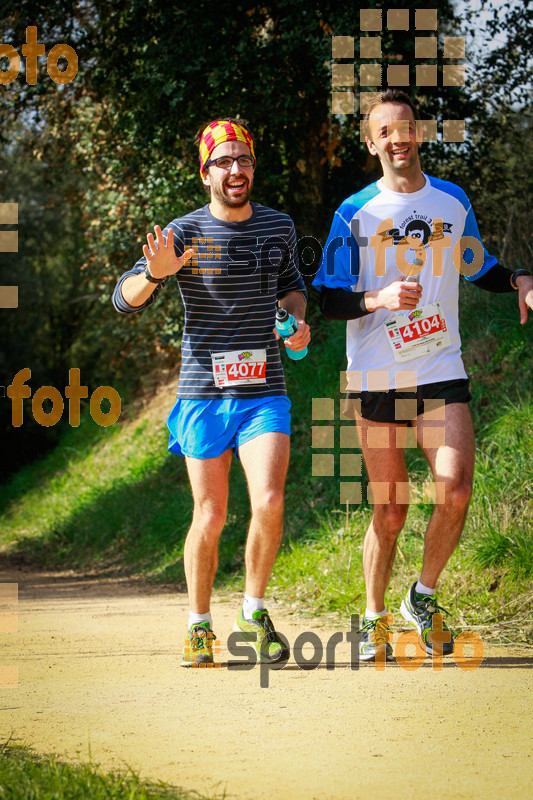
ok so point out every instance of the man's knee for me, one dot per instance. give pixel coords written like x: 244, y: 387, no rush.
x: 457, y: 492
x: 390, y: 517
x: 209, y: 518
x: 269, y: 501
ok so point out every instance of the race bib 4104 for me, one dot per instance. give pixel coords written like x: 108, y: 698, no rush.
x: 417, y: 333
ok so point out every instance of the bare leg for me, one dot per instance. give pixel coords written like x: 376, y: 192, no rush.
x: 384, y: 459
x: 209, y: 483
x: 449, y: 447
x: 265, y: 460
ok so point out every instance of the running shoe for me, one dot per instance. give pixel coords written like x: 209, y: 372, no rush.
x: 260, y: 632
x: 198, y: 650
x: 419, y: 609
x: 374, y: 634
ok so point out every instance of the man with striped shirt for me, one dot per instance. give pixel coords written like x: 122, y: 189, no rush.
x: 233, y: 261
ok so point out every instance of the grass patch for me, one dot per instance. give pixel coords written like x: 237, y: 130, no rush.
x: 122, y: 503
x: 501, y: 513
x: 23, y: 774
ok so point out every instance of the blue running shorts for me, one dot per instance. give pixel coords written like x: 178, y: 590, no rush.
x: 207, y: 428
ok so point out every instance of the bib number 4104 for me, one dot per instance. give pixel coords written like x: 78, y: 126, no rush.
x: 422, y: 327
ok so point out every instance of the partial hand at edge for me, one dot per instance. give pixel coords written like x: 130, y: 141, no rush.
x: 525, y: 296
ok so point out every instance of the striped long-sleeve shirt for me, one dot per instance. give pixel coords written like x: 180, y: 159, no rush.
x: 229, y: 289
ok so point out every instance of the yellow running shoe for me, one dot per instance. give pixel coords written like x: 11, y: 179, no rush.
x: 260, y: 632
x: 373, y: 634
x: 198, y: 650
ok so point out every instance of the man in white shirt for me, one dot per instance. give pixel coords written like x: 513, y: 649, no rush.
x: 391, y: 267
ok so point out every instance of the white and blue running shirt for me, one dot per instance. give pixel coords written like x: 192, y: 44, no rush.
x: 348, y: 262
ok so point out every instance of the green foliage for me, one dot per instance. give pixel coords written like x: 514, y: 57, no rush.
x: 39, y: 334
x: 501, y: 517
x: 499, y: 132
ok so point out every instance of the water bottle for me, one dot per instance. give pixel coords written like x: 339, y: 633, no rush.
x: 412, y: 279
x: 286, y: 326
x: 416, y: 262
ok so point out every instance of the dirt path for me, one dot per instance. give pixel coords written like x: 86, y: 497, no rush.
x: 99, y: 677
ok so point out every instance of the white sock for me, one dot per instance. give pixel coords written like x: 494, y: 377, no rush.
x: 374, y: 614
x: 421, y: 589
x: 195, y: 618
x: 250, y: 605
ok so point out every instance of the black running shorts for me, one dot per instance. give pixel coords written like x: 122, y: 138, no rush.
x: 401, y: 406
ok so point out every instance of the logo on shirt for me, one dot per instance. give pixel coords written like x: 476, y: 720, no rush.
x: 420, y: 227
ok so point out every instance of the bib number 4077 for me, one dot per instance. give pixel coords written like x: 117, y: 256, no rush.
x: 246, y: 369
x: 238, y: 367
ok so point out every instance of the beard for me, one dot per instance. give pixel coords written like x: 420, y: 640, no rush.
x: 219, y: 192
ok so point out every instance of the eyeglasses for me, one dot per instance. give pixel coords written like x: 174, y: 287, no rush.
x: 226, y: 162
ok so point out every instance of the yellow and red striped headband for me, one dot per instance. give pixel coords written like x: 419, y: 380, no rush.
x: 221, y: 131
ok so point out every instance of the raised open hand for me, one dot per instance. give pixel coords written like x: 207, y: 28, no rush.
x: 161, y: 256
